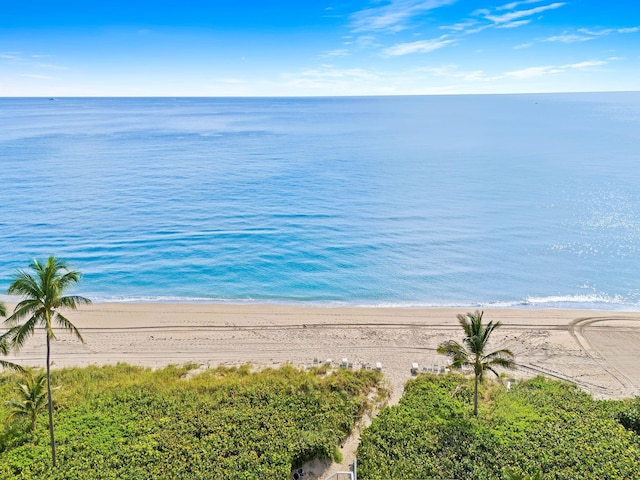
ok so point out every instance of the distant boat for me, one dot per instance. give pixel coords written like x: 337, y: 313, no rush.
x: 52, y: 98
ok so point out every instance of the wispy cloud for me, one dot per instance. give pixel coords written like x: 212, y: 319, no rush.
x: 421, y: 46
x: 332, y: 80
x: 512, y: 5
x: 496, y: 17
x: 586, y: 34
x: 518, y: 23
x: 331, y: 72
x: 48, y: 66
x: 607, y: 31
x: 35, y: 76
x: 454, y: 72
x: 569, y: 38
x: 511, y: 16
x: 26, y: 60
x: 531, y: 72
x: 10, y: 55
x: 394, y: 15
x: 340, y: 52
x: 460, y: 26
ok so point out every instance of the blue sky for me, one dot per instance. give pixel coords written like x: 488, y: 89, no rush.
x: 330, y: 47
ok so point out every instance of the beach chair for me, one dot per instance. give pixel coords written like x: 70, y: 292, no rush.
x: 414, y: 368
x: 344, y: 363
x: 378, y: 366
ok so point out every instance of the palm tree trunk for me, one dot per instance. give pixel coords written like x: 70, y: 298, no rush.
x: 50, y: 404
x: 475, y: 398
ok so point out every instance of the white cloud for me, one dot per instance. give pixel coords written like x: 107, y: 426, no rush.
x: 608, y: 31
x: 460, y: 26
x: 421, y: 46
x: 329, y: 80
x: 531, y: 72
x: 340, y: 52
x: 588, y: 63
x: 510, y: 17
x: 452, y: 71
x: 366, y: 41
x: 10, y: 55
x: 523, y: 45
x: 586, y: 34
x: 37, y: 77
x: 48, y: 66
x: 330, y: 72
x: 394, y: 16
x: 517, y: 23
x: 568, y: 38
x: 512, y: 5
x: 26, y: 60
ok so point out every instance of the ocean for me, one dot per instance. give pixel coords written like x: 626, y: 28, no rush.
x: 528, y: 201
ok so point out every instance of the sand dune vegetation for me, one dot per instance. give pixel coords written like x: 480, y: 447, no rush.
x: 539, y: 428
x: 116, y: 422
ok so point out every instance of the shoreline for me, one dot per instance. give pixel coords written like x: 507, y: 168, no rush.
x: 596, y: 349
x: 561, y: 303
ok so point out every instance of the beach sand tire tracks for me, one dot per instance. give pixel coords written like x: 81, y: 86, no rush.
x: 583, y: 328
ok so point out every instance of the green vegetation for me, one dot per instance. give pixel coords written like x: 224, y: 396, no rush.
x: 43, y: 298
x: 32, y: 397
x: 129, y: 422
x: 472, y: 353
x: 630, y: 416
x: 538, y: 429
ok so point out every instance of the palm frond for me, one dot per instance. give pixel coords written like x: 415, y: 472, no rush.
x: 508, y: 363
x: 5, y: 343
x: 3, y: 310
x: 72, y: 301
x: 67, y: 279
x: 456, y: 352
x: 25, y: 285
x: 28, y: 307
x: 67, y: 325
x: 20, y: 333
x: 11, y: 366
x: 502, y: 353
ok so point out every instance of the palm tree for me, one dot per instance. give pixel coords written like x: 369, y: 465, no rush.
x: 32, y: 398
x: 472, y: 353
x: 43, y: 297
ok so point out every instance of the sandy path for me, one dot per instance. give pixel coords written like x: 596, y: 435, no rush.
x: 597, y: 350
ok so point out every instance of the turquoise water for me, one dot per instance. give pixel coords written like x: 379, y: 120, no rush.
x: 514, y: 200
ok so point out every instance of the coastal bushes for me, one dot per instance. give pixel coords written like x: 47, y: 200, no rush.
x: 121, y: 421
x: 629, y: 417
x: 539, y: 426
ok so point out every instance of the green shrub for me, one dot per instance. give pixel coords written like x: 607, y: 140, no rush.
x: 630, y: 417
x: 540, y: 428
x: 128, y: 422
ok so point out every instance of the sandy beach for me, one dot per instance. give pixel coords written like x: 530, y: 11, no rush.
x: 598, y: 350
